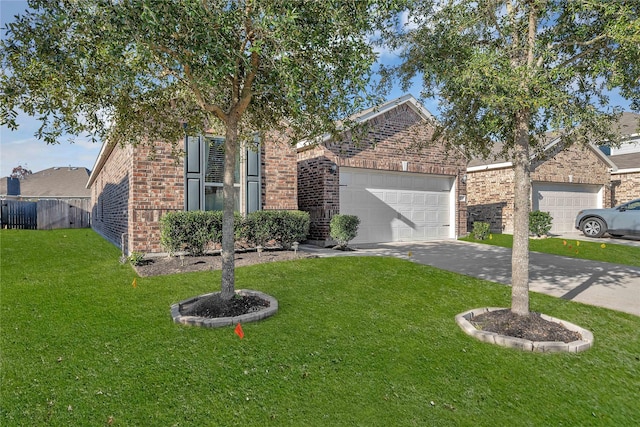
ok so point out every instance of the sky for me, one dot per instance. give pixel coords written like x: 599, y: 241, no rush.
x: 22, y: 148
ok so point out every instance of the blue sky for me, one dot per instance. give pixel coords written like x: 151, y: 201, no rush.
x: 21, y: 147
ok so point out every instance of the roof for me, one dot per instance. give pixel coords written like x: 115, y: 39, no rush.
x: 68, y: 181
x: 373, y: 112
x: 626, y: 161
x: 628, y: 126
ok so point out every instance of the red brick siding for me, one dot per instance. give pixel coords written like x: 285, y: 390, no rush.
x: 157, y: 187
x: 110, y: 197
x: 391, y: 138
x: 279, y: 176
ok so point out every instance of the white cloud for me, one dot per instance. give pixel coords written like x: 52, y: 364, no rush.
x: 20, y: 147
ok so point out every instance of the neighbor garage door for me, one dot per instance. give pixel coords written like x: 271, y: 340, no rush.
x: 396, y: 206
x: 563, y: 202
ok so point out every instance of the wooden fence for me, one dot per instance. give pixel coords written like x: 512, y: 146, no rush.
x: 46, y: 214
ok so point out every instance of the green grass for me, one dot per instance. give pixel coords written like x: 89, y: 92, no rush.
x: 602, y: 251
x: 358, y: 341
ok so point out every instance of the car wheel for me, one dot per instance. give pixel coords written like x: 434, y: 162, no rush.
x: 593, y: 227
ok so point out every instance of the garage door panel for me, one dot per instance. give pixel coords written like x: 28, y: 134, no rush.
x: 563, y: 202
x: 396, y: 206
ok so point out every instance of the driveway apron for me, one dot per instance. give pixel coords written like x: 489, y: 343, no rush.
x: 601, y: 284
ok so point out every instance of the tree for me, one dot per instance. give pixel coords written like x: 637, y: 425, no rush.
x: 508, y: 71
x: 139, y: 71
x: 20, y: 172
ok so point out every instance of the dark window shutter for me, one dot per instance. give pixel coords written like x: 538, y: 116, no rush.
x: 253, y: 176
x: 194, y: 180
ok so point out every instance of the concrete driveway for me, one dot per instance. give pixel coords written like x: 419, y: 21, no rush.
x: 596, y: 283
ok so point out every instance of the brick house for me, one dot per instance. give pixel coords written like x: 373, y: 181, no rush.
x: 567, y: 181
x: 563, y: 184
x: 399, y: 192
x: 133, y: 187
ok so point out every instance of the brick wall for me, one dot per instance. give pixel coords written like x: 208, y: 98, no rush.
x: 391, y: 138
x: 491, y: 192
x: 110, y: 197
x: 279, y: 173
x: 157, y: 187
x: 625, y: 187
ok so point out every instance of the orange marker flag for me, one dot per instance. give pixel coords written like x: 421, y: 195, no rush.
x: 238, y: 331
x: 134, y: 284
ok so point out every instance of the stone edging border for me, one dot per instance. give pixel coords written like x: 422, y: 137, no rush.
x: 208, y: 322
x: 463, y: 320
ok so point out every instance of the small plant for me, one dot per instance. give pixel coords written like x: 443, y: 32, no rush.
x: 539, y: 223
x: 136, y: 258
x: 480, y: 230
x: 343, y: 229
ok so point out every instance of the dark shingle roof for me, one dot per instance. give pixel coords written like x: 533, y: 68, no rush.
x: 56, y: 182
x: 626, y: 161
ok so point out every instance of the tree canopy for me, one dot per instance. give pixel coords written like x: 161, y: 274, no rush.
x: 507, y: 71
x: 140, y: 71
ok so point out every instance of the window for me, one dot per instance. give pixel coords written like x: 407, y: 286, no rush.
x: 213, y: 176
x: 204, y: 169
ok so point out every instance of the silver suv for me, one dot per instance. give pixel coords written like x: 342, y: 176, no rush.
x: 619, y: 221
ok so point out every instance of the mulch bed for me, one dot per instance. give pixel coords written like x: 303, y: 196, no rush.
x: 531, y: 327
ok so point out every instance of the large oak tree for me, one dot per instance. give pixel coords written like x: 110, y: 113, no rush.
x: 139, y: 71
x: 508, y: 71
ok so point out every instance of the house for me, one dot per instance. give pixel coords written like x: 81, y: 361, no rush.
x: 52, y: 198
x: 52, y: 183
x: 563, y: 183
x: 399, y: 191
x: 133, y: 187
x: 625, y: 179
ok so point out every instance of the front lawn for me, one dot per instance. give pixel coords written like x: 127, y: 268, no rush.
x: 358, y: 341
x: 601, y: 251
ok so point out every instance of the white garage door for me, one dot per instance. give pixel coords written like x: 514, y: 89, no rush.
x: 563, y: 202
x: 397, y: 206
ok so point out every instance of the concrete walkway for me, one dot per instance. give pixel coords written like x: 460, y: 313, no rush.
x: 596, y: 283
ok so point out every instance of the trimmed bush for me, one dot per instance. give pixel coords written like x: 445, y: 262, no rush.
x: 344, y: 228
x: 480, y: 230
x: 195, y: 231
x: 283, y: 227
x: 540, y: 223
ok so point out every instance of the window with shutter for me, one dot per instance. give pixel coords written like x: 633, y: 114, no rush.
x: 204, y: 169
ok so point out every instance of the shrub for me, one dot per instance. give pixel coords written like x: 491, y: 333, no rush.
x: 344, y: 228
x: 480, y: 230
x: 539, y: 223
x: 284, y: 227
x: 194, y: 231
x: 136, y: 258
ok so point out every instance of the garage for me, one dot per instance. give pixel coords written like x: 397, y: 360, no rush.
x: 564, y: 201
x: 398, y: 206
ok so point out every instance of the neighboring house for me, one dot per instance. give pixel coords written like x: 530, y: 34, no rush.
x: 625, y: 179
x: 67, y: 182
x: 564, y: 183
x: 133, y: 187
x: 52, y: 198
x: 399, y: 192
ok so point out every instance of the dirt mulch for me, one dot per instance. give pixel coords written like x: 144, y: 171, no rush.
x: 531, y: 327
x: 175, y: 264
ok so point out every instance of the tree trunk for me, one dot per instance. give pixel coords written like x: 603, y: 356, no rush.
x: 522, y: 194
x: 228, y: 237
